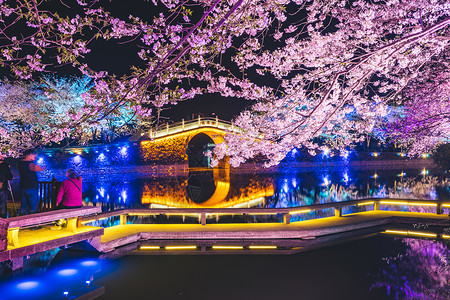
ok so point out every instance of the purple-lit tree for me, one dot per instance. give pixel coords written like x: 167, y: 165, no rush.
x: 423, y: 118
x: 314, y: 69
x: 422, y: 272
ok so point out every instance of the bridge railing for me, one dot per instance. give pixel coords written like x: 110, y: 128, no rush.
x: 279, y: 215
x: 169, y: 129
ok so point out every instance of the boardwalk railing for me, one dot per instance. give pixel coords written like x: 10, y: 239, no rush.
x: 166, y: 129
x: 371, y: 204
x: 47, y: 193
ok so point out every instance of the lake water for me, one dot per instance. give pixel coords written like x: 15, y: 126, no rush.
x: 380, y: 267
x: 250, y: 188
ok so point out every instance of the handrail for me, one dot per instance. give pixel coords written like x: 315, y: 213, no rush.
x: 183, y: 126
x: 286, y: 212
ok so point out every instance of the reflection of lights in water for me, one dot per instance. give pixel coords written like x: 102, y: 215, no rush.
x: 326, y: 182
x: 40, y: 160
x: 28, y: 285
x: 89, y: 263
x: 326, y: 152
x: 67, y: 272
x: 346, y: 179
x: 294, y: 183
x: 77, y: 159
x: 123, y: 150
x: 101, y: 157
x: 285, y: 187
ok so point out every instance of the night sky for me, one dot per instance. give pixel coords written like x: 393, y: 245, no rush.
x: 117, y: 57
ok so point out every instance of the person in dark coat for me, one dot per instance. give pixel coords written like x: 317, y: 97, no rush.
x: 29, y: 183
x: 5, y: 175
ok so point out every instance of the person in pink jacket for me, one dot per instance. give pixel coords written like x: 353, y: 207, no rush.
x: 69, y: 195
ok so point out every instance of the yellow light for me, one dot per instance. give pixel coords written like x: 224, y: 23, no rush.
x: 425, y: 155
x: 143, y: 214
x: 375, y: 175
x: 425, y: 234
x: 262, y: 247
x: 446, y: 205
x: 396, y: 232
x: 415, y: 233
x: 375, y: 154
x: 394, y: 202
x: 262, y: 214
x: 408, y: 203
x: 150, y: 248
x: 299, y: 211
x: 446, y: 236
x: 181, y: 247
x: 365, y: 203
x: 228, y: 247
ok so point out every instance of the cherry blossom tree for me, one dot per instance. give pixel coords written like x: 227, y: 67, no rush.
x: 315, y: 70
x: 38, y: 113
x: 422, y: 121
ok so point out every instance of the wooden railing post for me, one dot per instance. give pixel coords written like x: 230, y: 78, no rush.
x: 376, y: 205
x: 286, y: 218
x: 203, y: 218
x: 123, y: 219
x: 338, y: 211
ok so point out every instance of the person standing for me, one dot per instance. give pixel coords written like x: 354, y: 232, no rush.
x: 29, y: 182
x: 69, y: 195
x: 5, y: 175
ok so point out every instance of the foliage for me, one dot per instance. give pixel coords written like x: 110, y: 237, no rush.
x: 325, y: 69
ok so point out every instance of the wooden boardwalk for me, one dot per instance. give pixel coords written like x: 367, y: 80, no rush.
x: 326, y: 229
x: 279, y: 230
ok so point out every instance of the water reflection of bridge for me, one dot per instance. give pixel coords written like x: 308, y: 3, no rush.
x: 206, y: 187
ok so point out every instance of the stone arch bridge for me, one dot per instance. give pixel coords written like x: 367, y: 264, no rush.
x: 184, y: 142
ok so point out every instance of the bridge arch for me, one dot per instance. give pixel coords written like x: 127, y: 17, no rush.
x: 174, y: 144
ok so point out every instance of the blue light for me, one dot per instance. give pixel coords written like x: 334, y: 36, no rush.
x: 102, y: 157
x: 66, y: 293
x: 40, y: 160
x: 27, y: 285
x: 124, y: 195
x: 345, y: 154
x: 68, y: 272
x: 101, y: 191
x: 346, y: 179
x: 123, y: 150
x: 88, y: 282
x: 294, y: 183
x: 77, y: 159
x: 89, y: 263
x: 326, y: 182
